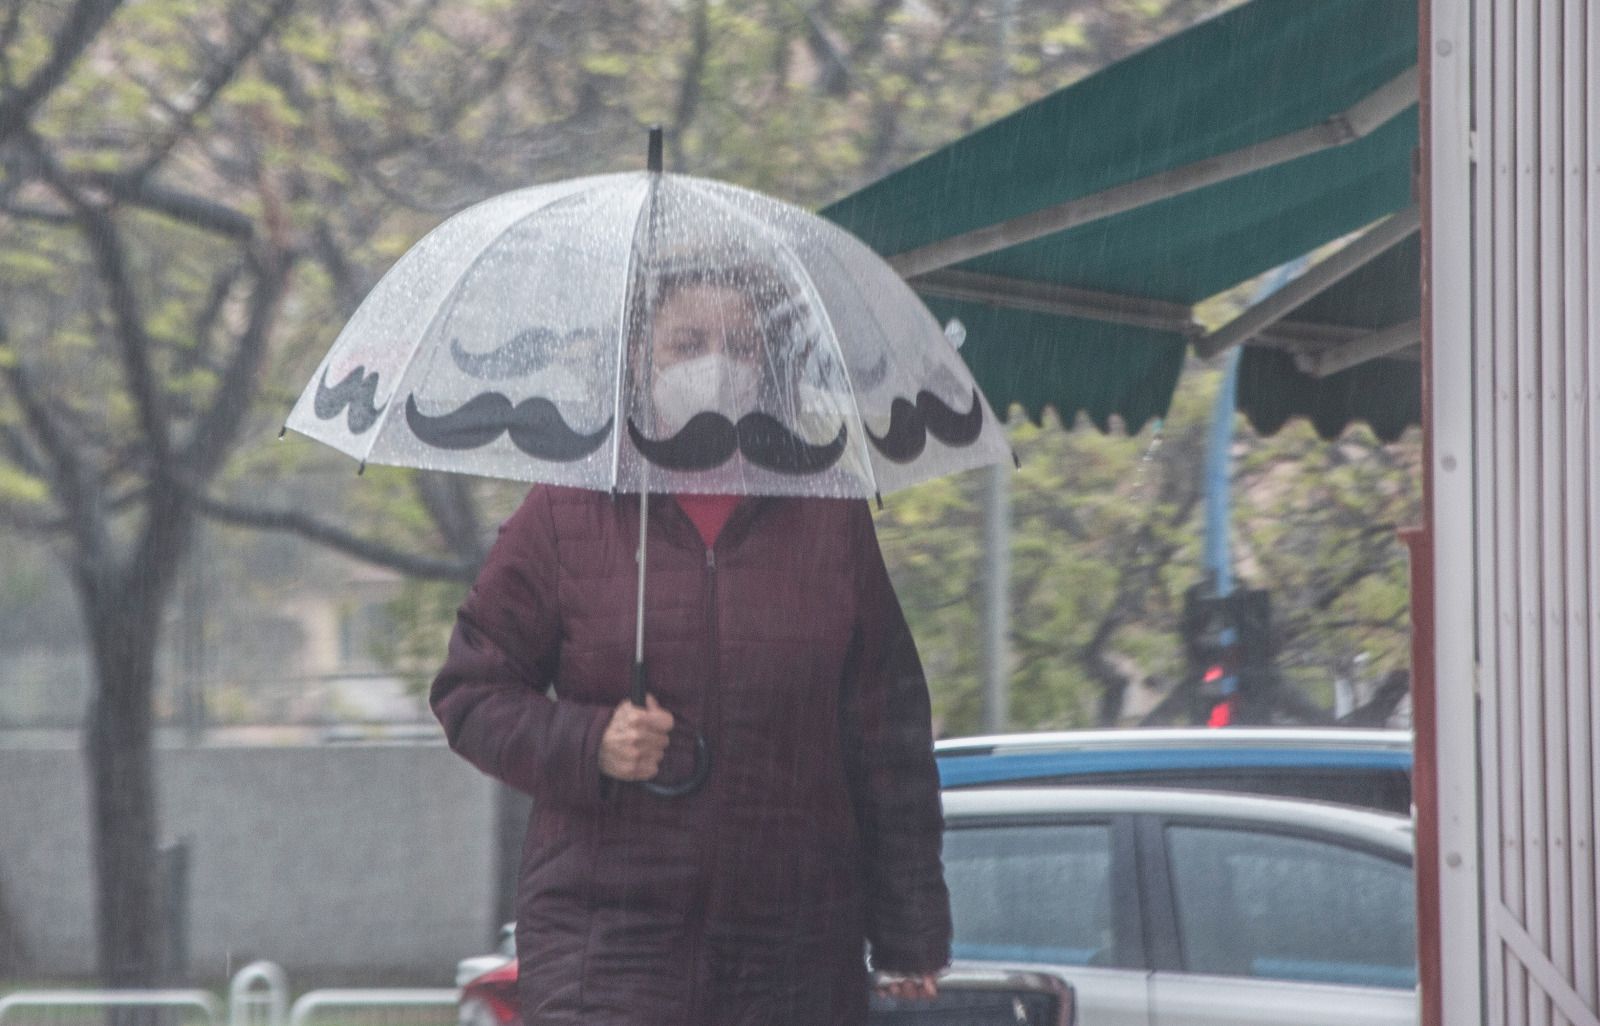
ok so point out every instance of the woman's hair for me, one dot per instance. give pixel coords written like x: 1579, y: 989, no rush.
x: 774, y: 301
x: 760, y: 282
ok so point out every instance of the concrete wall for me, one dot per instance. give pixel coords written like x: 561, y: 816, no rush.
x: 360, y: 859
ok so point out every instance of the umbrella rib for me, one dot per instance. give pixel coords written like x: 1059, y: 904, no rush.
x: 827, y: 321
x: 449, y: 297
x: 622, y: 336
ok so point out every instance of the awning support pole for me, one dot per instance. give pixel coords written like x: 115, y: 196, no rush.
x: 1347, y: 126
x: 1061, y: 300
x: 1115, y: 308
x: 1369, y: 347
x: 1387, y: 234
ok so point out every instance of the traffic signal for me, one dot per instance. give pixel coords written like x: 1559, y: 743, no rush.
x: 1229, y: 648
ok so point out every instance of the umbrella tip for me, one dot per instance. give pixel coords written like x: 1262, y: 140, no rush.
x: 653, y: 158
x: 1016, y: 461
x: 879, y: 497
x: 361, y: 469
x: 283, y: 431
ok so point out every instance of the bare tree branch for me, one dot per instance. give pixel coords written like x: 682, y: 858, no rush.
x: 205, y: 91
x: 834, y: 73
x: 208, y: 445
x: 349, y: 286
x: 449, y: 502
x: 8, y: 35
x: 334, y: 537
x: 42, y: 215
x: 1298, y: 707
x: 1172, y: 705
x: 76, y: 33
x: 205, y: 322
x: 100, y: 232
x: 886, y: 114
x: 21, y: 452
x: 872, y: 35
x: 1375, y: 712
x: 32, y: 523
x: 196, y: 211
x: 74, y: 485
x: 1358, y: 572
x: 694, y: 66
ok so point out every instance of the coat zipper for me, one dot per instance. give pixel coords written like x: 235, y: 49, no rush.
x: 709, y: 716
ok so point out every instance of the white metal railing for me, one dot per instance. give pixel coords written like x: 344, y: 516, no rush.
x: 318, y: 1000
x: 258, y: 996
x: 198, y: 1003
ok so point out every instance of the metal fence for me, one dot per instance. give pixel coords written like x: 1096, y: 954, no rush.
x: 90, y: 1007
x: 257, y: 996
x: 384, y: 1007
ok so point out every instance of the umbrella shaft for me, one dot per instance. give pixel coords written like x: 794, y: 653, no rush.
x: 638, y: 615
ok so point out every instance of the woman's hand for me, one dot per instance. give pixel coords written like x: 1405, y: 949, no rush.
x: 917, y: 986
x: 635, y: 740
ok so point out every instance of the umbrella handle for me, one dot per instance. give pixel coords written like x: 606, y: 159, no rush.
x: 694, y: 781
x: 702, y: 751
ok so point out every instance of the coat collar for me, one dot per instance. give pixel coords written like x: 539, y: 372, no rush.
x: 678, y: 530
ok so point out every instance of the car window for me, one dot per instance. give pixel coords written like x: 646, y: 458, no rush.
x: 1258, y: 904
x: 1031, y: 892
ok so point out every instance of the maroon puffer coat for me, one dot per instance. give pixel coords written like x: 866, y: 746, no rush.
x: 820, y: 825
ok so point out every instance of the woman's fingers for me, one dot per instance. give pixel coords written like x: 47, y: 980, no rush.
x: 656, y: 716
x: 635, y: 740
x: 923, y: 987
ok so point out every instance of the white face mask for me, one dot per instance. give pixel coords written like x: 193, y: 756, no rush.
x: 711, y: 382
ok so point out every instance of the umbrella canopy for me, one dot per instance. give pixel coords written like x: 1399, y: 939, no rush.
x: 1074, y: 237
x: 650, y: 331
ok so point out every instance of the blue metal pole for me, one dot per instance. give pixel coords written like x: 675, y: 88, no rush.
x: 1219, y: 490
x: 1219, y: 455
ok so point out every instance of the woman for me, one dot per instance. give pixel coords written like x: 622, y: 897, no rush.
x: 772, y: 631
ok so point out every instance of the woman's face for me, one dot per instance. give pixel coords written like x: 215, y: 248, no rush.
x: 705, y: 320
x: 706, y: 348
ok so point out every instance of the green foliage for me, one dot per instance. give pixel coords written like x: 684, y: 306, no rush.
x: 356, y: 127
x: 420, y: 617
x: 1106, y: 538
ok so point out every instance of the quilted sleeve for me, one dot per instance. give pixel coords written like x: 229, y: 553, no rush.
x: 490, y: 694
x: 895, y: 782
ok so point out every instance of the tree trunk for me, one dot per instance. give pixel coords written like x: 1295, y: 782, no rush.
x: 118, y: 751
x: 122, y: 605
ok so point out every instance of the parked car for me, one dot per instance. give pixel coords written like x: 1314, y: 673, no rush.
x: 1183, y: 908
x: 1158, y: 908
x: 1367, y: 768
x: 971, y: 995
x: 488, y: 984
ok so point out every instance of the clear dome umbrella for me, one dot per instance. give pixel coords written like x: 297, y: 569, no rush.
x: 650, y: 332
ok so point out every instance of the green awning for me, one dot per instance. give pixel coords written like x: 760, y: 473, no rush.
x: 1386, y: 391
x: 1093, y: 317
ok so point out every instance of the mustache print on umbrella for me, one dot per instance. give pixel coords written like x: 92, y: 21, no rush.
x: 358, y: 393
x: 535, y: 426
x: 526, y: 352
x: 710, y: 440
x: 910, y: 424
